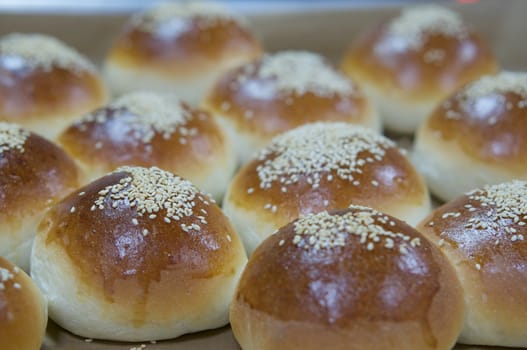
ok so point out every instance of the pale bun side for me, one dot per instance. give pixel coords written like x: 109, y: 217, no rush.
x: 449, y: 172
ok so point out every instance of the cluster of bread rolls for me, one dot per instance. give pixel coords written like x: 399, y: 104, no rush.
x: 324, y: 236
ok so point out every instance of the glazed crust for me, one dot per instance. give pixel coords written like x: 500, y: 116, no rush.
x: 329, y: 295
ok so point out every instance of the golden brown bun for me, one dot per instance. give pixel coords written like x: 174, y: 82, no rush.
x: 147, y: 129
x: 141, y: 254
x: 44, y: 84
x: 282, y: 91
x: 322, y: 166
x: 23, y: 312
x: 34, y: 174
x: 408, y: 64
x: 350, y: 279
x: 179, y: 47
x: 475, y: 137
x: 483, y: 235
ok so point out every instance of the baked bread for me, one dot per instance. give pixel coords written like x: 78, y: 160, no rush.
x: 149, y: 129
x: 44, y: 84
x: 409, y: 63
x: 322, y: 166
x: 279, y: 92
x: 349, y: 279
x: 483, y: 235
x: 141, y: 254
x: 34, y: 174
x: 180, y: 47
x: 475, y: 137
x: 23, y: 312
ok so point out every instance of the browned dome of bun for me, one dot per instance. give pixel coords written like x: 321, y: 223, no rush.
x: 45, y: 84
x: 279, y: 92
x: 180, y: 47
x: 483, y: 234
x: 148, y: 129
x: 350, y: 279
x: 409, y: 63
x: 34, y: 174
x: 23, y: 313
x: 322, y: 166
x: 476, y: 137
x: 142, y: 253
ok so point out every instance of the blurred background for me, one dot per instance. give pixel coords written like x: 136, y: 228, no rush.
x: 323, y: 26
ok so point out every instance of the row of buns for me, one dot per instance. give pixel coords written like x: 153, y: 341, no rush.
x: 148, y: 255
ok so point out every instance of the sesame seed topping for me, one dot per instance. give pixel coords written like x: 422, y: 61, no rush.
x: 12, y: 137
x: 148, y: 113
x: 44, y: 52
x: 152, y: 191
x: 314, y: 149
x: 416, y: 23
x: 503, y: 82
x: 325, y: 231
x: 88, y: 340
x: 478, y: 266
x: 72, y: 210
x: 82, y: 193
x: 300, y: 72
x: 229, y: 238
x: 6, y: 276
x: 165, y: 14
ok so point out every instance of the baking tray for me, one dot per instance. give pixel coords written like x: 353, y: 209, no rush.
x: 322, y: 28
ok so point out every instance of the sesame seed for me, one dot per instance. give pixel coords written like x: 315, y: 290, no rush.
x: 145, y: 232
x: 250, y: 190
x: 441, y: 242
x: 416, y: 23
x: 146, y: 113
x: 17, y: 285
x: 300, y: 72
x: 374, y: 183
x: 98, y: 145
x: 281, y: 243
x: 206, y: 14
x: 478, y: 267
x: 135, y: 222
x: 51, y: 52
x: 325, y: 231
x: 151, y: 190
x: 504, y: 82
x: 313, y: 150
x: 88, y: 340
x: 12, y: 137
x: 229, y: 238
x: 72, y: 210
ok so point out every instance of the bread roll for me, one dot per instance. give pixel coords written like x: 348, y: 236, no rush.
x: 141, y: 254
x: 322, y: 166
x: 34, y: 174
x: 180, y: 47
x: 149, y: 129
x: 23, y: 312
x: 44, y: 84
x: 279, y: 92
x: 483, y: 234
x: 408, y: 64
x: 475, y: 137
x: 349, y: 279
